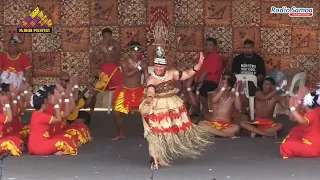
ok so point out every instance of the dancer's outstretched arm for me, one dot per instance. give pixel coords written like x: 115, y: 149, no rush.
x: 184, y: 75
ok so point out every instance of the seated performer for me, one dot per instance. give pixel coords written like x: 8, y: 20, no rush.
x: 8, y: 143
x: 78, y: 131
x: 297, y: 131
x: 303, y: 140
x: 265, y: 102
x: 167, y: 125
x: 83, y: 116
x: 106, y: 57
x: 223, y: 101
x: 41, y: 142
x: 15, y: 66
x: 241, y: 118
x: 16, y: 127
x: 128, y: 96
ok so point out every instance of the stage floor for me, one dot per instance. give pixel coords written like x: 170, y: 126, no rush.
x: 103, y: 159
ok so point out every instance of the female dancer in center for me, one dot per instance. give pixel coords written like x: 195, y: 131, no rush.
x: 167, y: 125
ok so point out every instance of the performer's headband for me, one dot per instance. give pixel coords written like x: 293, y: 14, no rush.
x: 135, y: 48
x: 160, y: 59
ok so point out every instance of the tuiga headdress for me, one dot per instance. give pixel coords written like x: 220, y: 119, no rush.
x: 160, y: 35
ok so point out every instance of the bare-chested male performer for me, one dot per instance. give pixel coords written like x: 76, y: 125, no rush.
x: 240, y: 118
x: 223, y: 102
x: 128, y: 96
x: 106, y: 58
x: 265, y: 103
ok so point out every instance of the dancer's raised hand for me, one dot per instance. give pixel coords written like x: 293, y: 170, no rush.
x: 74, y: 81
x: 59, y: 87
x: 201, y: 58
x: 149, y: 100
x: 56, y: 97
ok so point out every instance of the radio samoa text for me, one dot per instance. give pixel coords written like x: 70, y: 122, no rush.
x: 286, y: 10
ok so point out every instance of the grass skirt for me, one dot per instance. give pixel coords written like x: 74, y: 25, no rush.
x: 169, y: 131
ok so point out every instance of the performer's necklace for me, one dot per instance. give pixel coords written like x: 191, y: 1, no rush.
x: 270, y: 101
x: 225, y: 101
x: 160, y: 77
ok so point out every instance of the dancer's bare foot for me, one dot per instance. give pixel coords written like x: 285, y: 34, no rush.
x: 79, y: 144
x: 118, y: 137
x: 270, y: 134
x: 59, y: 153
x: 90, y: 139
x: 154, y: 164
x: 252, y: 135
x: 164, y: 164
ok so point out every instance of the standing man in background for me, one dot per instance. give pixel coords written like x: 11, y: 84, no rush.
x: 208, y: 77
x: 106, y: 57
x: 128, y: 96
x: 15, y: 66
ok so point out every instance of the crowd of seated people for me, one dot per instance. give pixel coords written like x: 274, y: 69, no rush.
x: 230, y: 115
x: 49, y: 132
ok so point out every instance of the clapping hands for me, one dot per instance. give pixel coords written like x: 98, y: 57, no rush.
x: 239, y: 86
x: 74, y: 81
x: 56, y: 97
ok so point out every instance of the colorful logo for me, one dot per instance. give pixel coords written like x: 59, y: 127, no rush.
x: 36, y: 22
x: 293, y: 11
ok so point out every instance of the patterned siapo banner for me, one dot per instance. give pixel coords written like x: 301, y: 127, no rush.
x: 64, y: 31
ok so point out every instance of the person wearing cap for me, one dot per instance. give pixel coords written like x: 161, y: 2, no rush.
x: 15, y: 66
x: 128, y: 96
x: 105, y: 59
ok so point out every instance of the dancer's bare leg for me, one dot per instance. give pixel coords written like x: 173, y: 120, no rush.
x: 155, y: 163
x: 273, y: 130
x: 242, y: 121
x: 119, y: 123
x: 59, y: 153
x: 227, y: 133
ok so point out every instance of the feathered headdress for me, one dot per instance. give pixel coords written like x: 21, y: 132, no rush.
x: 160, y: 36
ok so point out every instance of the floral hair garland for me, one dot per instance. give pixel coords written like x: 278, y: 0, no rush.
x: 318, y: 93
x: 308, y: 98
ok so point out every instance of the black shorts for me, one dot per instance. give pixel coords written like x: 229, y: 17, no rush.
x: 207, y: 86
x: 83, y: 115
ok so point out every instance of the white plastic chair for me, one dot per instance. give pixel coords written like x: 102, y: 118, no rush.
x: 301, y: 78
x: 245, y: 78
